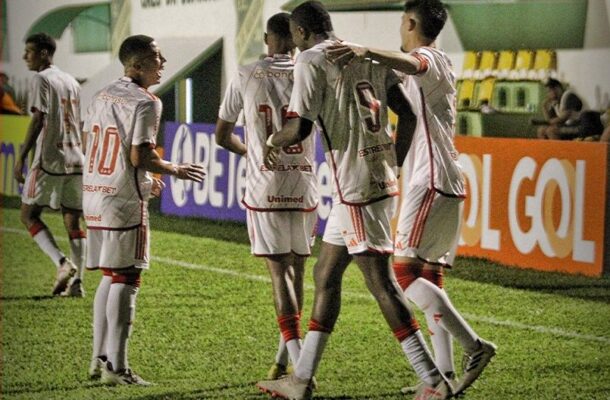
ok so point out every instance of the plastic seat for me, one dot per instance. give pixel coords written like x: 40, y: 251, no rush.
x: 545, y: 65
x: 506, y: 63
x: 484, y: 92
x: 524, y: 63
x: 465, y: 94
x: 471, y: 64
x: 487, y: 66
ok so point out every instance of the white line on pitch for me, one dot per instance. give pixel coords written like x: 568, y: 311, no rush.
x: 260, y: 278
x: 472, y: 317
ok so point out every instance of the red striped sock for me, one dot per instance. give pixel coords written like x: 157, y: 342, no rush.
x: 289, y: 327
x: 435, y: 277
x: 79, y: 234
x: 406, y: 273
x: 404, y: 332
x: 316, y: 326
x: 36, y: 227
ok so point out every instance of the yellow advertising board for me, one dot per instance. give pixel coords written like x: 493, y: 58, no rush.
x: 12, y: 135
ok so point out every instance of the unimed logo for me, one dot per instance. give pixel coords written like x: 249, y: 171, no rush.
x: 544, y: 207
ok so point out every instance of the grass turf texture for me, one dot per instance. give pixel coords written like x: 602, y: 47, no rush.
x: 205, y: 326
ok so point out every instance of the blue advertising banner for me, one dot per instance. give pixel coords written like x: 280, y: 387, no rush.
x: 219, y: 196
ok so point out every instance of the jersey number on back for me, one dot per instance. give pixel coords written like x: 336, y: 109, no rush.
x: 368, y: 100
x: 267, y: 111
x: 111, y: 144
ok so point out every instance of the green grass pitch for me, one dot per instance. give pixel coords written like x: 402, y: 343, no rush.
x: 205, y: 326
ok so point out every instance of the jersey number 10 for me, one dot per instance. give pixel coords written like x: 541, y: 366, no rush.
x: 110, y: 150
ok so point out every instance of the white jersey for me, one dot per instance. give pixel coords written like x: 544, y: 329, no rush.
x: 58, y: 148
x: 262, y: 89
x: 432, y: 158
x: 115, y: 194
x: 350, y: 107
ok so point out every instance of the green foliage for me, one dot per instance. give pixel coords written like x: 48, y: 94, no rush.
x: 205, y: 326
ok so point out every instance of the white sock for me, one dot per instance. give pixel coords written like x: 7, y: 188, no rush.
x: 417, y: 352
x: 432, y: 300
x: 77, y: 251
x: 281, y: 357
x: 442, y: 343
x: 47, y: 244
x: 120, y: 311
x: 311, y: 354
x: 100, y: 324
x: 294, y: 349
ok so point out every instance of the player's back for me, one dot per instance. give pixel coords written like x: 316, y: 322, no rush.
x: 113, y: 190
x: 264, y: 89
x: 266, y: 86
x: 432, y: 158
x: 352, y: 115
x: 57, y: 94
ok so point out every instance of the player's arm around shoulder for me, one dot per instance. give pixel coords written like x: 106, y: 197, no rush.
x: 408, y: 63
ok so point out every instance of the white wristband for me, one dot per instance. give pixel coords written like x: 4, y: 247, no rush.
x: 269, y: 139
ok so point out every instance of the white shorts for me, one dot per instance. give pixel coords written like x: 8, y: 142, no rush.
x: 281, y: 232
x: 361, y: 228
x: 428, y: 225
x: 54, y: 191
x: 115, y: 249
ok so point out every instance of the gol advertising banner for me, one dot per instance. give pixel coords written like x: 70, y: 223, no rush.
x: 536, y: 204
x: 12, y: 135
x: 219, y: 196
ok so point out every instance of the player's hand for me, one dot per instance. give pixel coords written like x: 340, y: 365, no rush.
x: 342, y: 54
x: 191, y: 172
x: 157, y: 186
x: 271, y: 156
x: 18, y: 171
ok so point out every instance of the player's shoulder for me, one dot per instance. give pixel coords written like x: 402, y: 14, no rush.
x: 314, y: 55
x: 272, y: 67
x: 433, y: 54
x: 124, y: 92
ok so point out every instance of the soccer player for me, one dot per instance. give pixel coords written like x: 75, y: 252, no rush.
x: 55, y: 176
x: 120, y: 135
x: 280, y: 202
x: 350, y: 107
x: 431, y: 209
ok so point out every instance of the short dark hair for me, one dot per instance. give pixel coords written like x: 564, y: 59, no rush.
x: 432, y: 15
x: 552, y: 83
x: 134, y: 46
x: 42, y: 41
x: 279, y: 24
x: 312, y: 16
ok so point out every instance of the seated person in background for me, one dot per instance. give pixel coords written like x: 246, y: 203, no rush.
x: 561, y: 109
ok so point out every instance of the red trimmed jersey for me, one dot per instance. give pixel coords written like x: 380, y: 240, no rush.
x: 262, y: 90
x: 58, y: 148
x: 115, y: 194
x: 432, y: 160
x: 350, y: 107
